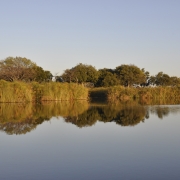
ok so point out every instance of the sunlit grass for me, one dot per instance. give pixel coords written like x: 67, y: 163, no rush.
x: 36, y: 92
x: 144, y: 95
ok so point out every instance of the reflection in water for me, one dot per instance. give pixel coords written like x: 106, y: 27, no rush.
x: 163, y: 111
x: 23, y: 118
x: 125, y: 115
x: 18, y: 118
x: 160, y: 111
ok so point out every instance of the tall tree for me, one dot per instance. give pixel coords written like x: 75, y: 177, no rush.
x: 22, y: 69
x: 162, y: 79
x: 40, y: 75
x: 175, y: 81
x: 130, y: 74
x: 107, y: 78
x: 81, y: 73
x: 152, y: 80
x: 147, y: 77
x: 17, y: 68
x: 67, y: 76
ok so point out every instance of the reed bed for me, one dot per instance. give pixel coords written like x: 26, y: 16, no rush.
x: 146, y: 94
x: 35, y: 92
x: 14, y: 92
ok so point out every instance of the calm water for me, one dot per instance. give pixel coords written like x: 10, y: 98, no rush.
x: 78, y: 141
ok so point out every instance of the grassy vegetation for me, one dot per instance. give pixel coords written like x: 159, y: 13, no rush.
x: 36, y: 92
x: 59, y: 91
x: 144, y: 95
x: 21, y: 92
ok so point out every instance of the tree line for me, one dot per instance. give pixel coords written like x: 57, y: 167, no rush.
x: 125, y: 75
x: 23, y: 69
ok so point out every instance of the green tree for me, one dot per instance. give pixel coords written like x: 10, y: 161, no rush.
x: 107, y: 78
x: 18, y: 68
x: 175, y: 81
x: 130, y: 74
x: 22, y: 69
x: 152, y: 80
x: 81, y: 73
x: 92, y: 74
x: 40, y: 75
x: 68, y: 75
x: 147, y: 77
x: 162, y: 79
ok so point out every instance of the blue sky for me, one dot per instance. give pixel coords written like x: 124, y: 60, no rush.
x: 59, y: 34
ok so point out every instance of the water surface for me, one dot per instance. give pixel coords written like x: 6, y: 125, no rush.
x: 79, y: 141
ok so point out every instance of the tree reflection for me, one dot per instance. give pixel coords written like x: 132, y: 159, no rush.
x: 22, y: 118
x: 18, y: 118
x: 87, y: 118
x: 125, y: 115
x: 163, y: 111
x: 131, y: 115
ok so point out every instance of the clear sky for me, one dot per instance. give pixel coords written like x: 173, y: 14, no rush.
x: 59, y: 34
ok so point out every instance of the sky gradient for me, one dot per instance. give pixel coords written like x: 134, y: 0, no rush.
x: 59, y: 34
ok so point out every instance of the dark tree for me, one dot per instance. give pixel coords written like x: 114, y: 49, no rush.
x: 107, y: 78
x: 40, y: 75
x: 162, y: 79
x: 130, y: 74
x: 175, y: 81
x: 80, y: 74
x: 147, y: 77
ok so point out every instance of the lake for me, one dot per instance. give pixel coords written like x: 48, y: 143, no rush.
x: 89, y: 141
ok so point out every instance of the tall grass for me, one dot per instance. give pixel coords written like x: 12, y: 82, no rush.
x: 59, y: 91
x: 36, y: 92
x: 14, y: 92
x: 145, y: 95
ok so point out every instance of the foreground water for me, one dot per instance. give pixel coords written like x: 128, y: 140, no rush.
x: 78, y: 141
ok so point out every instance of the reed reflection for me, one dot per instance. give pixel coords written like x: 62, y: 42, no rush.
x: 23, y: 118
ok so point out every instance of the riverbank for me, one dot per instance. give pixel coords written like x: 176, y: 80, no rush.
x: 38, y: 92
x: 144, y: 95
x: 21, y: 92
